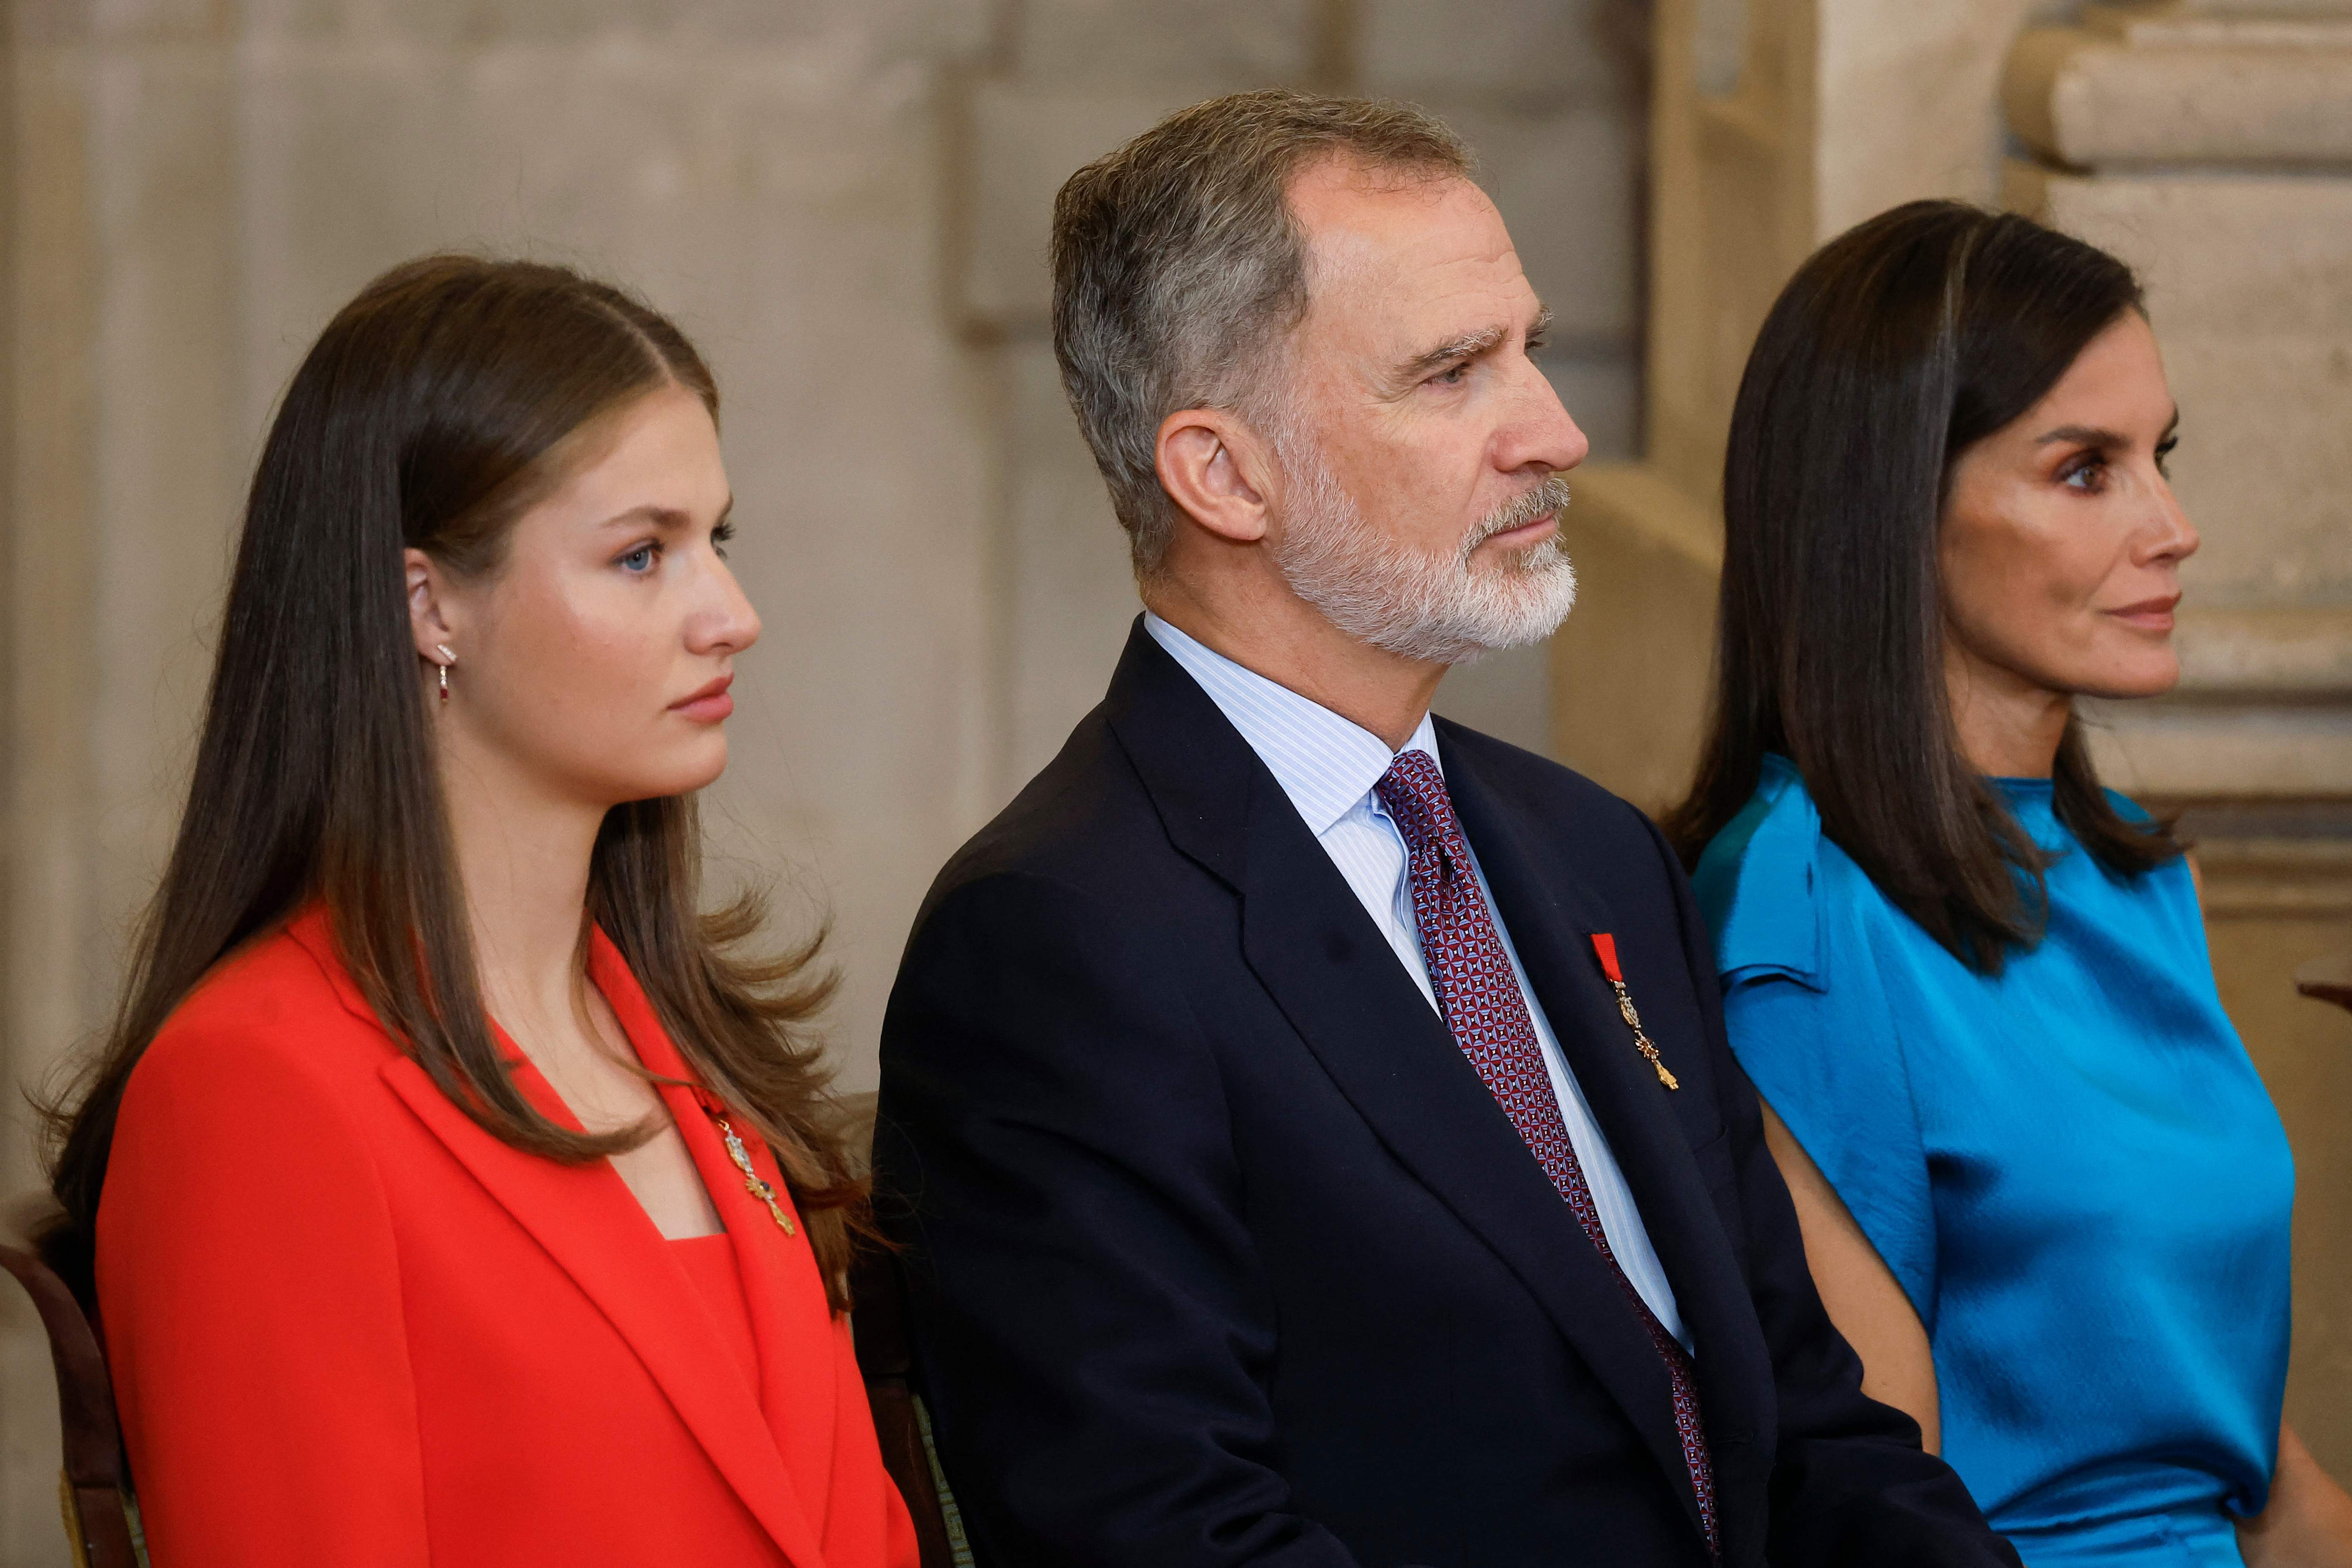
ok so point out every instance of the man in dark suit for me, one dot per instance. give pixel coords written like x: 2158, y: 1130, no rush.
x: 1309, y: 1124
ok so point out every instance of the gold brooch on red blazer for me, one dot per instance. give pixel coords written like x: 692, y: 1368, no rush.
x: 753, y: 1183
x: 1604, y: 947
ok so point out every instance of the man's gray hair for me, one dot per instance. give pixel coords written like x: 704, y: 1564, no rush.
x: 1178, y: 270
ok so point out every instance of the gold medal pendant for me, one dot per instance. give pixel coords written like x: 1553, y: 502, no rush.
x: 1604, y: 947
x: 752, y: 1181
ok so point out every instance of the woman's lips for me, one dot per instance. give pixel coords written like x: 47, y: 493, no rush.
x: 709, y: 705
x: 2148, y: 615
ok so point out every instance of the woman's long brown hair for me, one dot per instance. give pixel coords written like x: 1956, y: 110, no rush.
x: 433, y: 410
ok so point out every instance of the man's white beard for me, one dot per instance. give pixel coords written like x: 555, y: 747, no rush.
x: 1424, y: 606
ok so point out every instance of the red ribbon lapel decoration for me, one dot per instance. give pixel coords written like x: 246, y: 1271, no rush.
x: 1604, y: 947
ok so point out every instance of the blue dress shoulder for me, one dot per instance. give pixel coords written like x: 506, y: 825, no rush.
x: 2072, y: 1169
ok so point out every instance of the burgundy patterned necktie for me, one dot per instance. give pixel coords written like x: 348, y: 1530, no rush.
x: 1484, y: 1007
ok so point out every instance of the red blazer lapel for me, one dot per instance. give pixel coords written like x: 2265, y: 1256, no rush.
x: 790, y: 1318
x: 592, y: 1226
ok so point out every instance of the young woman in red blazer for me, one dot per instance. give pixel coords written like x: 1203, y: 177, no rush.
x: 461, y: 1196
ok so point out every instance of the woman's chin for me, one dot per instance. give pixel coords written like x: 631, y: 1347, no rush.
x: 684, y: 775
x: 2135, y: 681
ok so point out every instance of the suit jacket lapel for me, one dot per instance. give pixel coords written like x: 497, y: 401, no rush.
x: 1551, y: 913
x: 1333, y: 975
x: 592, y: 1226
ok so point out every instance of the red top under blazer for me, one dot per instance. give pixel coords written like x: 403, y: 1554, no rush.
x: 348, y: 1327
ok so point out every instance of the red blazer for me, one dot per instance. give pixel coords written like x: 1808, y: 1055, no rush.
x: 348, y: 1327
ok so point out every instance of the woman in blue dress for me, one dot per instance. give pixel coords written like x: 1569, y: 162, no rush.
x: 2043, y: 1190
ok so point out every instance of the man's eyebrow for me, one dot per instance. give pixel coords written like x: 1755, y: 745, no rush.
x: 1469, y: 345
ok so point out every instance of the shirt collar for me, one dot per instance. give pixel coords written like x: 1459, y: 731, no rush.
x: 1325, y: 763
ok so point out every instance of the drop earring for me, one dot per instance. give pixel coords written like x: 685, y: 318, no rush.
x: 450, y: 659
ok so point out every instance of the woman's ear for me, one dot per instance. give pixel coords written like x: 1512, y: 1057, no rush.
x: 1217, y: 470
x: 432, y: 618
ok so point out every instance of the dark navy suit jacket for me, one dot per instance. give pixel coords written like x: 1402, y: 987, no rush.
x: 1221, y: 1254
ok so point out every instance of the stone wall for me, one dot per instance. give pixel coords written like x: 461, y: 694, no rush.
x: 844, y: 200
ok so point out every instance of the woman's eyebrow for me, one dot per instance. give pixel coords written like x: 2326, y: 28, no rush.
x: 2106, y: 440
x: 2083, y: 435
x: 662, y: 516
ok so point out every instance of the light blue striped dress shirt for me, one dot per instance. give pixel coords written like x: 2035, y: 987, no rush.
x: 1327, y: 765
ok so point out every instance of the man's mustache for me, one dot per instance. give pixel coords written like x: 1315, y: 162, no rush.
x: 1549, y: 496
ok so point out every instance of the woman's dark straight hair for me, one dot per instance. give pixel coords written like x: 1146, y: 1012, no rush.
x: 1898, y: 346
x: 435, y: 408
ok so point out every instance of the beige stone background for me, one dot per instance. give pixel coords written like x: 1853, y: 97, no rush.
x: 844, y: 200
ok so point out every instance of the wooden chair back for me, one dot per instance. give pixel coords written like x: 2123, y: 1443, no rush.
x: 94, y: 1492
x: 885, y: 1359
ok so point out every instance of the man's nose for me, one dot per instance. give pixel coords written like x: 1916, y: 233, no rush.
x: 1539, y: 433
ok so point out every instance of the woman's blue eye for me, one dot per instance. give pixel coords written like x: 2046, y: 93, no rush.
x: 639, y: 561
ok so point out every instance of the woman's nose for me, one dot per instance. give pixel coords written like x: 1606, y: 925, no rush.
x: 2172, y: 536
x: 728, y: 622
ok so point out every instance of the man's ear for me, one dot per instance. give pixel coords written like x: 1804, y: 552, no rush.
x: 1218, y: 470
x: 433, y: 619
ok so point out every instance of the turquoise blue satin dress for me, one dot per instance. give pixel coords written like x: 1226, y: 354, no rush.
x: 2072, y: 1169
